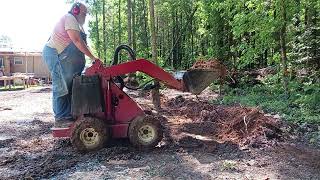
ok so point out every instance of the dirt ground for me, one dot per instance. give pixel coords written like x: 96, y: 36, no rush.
x: 202, y: 141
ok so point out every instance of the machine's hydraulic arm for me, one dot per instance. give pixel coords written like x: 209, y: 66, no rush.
x: 141, y: 65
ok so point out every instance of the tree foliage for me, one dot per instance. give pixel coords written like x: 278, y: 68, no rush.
x: 243, y: 34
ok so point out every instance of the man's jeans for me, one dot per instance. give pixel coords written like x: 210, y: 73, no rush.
x: 62, y: 68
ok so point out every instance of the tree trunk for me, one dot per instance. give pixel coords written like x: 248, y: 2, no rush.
x: 114, y: 32
x: 134, y: 41
x: 192, y: 42
x: 169, y: 45
x: 145, y: 38
x: 129, y: 20
x: 119, y: 27
x: 174, y: 40
x: 181, y: 40
x: 97, y: 28
x: 119, y: 23
x: 155, y: 91
x: 104, y: 32
x: 157, y: 34
x: 283, y: 46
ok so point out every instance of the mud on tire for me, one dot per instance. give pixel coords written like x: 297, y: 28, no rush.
x: 89, y: 134
x: 145, y: 132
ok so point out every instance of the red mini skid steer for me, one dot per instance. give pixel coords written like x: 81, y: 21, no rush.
x: 103, y: 110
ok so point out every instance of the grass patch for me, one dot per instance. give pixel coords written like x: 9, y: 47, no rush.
x: 302, y: 105
x: 15, y: 88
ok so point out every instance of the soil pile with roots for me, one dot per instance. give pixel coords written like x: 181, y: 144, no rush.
x: 211, y: 64
x: 208, y: 64
x: 236, y: 124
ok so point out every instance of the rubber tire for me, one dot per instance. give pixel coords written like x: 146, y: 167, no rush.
x: 89, y: 122
x: 136, y: 124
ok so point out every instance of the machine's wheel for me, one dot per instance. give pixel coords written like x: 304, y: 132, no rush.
x: 89, y: 134
x: 145, y: 132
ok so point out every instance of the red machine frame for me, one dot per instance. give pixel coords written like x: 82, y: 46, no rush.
x: 120, y: 109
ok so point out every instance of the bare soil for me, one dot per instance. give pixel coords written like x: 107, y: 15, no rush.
x: 202, y: 141
x: 210, y: 64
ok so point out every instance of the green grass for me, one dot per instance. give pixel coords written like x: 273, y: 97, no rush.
x: 302, y: 105
x: 15, y: 88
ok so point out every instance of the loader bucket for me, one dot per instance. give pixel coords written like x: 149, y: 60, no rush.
x: 196, y: 80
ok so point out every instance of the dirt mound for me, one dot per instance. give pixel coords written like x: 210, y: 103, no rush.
x: 208, y: 64
x: 211, y: 64
x: 241, y: 125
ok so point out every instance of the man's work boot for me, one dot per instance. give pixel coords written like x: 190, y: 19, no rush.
x: 63, y: 123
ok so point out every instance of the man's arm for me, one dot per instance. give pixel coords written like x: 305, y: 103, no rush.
x: 76, y: 39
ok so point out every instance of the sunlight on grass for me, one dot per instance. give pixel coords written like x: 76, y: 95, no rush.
x: 15, y: 88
